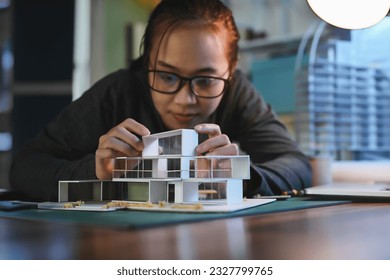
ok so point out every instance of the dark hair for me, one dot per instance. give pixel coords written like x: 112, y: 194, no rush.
x: 170, y: 14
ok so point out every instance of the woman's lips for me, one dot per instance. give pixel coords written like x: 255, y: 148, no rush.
x: 184, y: 118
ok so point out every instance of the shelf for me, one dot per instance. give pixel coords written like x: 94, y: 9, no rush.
x: 286, y: 41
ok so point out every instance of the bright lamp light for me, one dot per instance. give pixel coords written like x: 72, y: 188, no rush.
x: 350, y: 14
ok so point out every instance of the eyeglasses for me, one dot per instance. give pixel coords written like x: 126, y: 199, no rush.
x: 201, y: 86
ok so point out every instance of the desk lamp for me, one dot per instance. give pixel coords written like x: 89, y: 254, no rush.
x: 350, y: 14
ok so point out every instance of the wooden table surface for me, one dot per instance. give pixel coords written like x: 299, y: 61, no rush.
x: 348, y: 231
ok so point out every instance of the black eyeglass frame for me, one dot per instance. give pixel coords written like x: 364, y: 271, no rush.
x: 189, y: 80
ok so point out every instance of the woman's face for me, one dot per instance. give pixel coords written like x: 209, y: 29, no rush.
x: 188, y: 52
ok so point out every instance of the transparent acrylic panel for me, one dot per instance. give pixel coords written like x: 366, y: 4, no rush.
x: 212, y: 191
x: 174, y: 167
x: 219, y: 167
x: 146, y: 168
x: 92, y: 190
x: 114, y: 190
x: 132, y: 168
x: 222, y: 167
x: 83, y: 191
x: 170, y: 145
x: 203, y: 168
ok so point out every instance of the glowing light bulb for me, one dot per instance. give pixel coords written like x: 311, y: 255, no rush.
x: 350, y: 14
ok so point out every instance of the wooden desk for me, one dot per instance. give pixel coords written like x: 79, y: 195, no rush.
x: 349, y: 231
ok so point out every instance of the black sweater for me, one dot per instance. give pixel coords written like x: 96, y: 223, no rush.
x: 65, y: 149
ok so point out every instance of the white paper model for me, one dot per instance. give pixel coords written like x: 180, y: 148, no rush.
x: 169, y: 170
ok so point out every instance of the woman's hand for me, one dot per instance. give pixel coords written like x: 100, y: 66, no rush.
x: 217, y: 144
x: 122, y: 140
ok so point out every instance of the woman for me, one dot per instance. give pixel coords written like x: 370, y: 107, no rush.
x: 185, y: 78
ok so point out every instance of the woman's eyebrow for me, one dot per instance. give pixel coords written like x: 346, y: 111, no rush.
x: 204, y: 70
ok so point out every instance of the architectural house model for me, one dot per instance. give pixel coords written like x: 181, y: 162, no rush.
x: 170, y: 171
x: 169, y: 176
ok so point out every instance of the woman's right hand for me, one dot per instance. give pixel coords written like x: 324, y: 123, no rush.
x: 125, y: 139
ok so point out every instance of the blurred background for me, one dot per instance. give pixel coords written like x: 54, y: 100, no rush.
x: 329, y: 86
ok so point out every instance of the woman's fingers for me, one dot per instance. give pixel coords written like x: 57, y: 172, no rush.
x: 210, y: 129
x: 125, y: 144
x: 217, y: 144
x: 125, y: 139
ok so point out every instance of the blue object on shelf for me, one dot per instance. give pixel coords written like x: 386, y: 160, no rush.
x: 274, y: 79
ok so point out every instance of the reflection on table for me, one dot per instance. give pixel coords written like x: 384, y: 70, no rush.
x: 348, y: 231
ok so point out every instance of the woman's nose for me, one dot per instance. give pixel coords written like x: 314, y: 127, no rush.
x: 185, y: 95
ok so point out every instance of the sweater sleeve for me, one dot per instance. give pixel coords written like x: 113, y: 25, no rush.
x: 277, y: 164
x: 36, y: 174
x: 65, y: 148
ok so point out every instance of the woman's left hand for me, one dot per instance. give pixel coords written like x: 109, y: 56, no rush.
x: 217, y: 144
